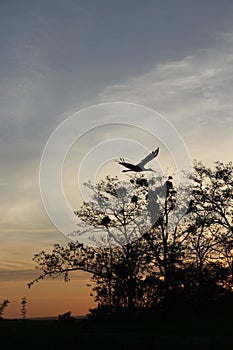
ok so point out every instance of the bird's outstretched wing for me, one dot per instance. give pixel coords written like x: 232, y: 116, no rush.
x: 148, y: 158
x: 127, y: 165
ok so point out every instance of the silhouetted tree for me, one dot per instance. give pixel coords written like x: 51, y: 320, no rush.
x: 120, y: 211
x: 210, y: 240
x: 23, y: 310
x: 3, y: 306
x: 150, y: 252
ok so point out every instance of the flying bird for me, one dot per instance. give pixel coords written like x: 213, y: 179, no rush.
x: 140, y: 166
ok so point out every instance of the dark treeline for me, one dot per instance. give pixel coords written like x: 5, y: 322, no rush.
x: 166, y: 250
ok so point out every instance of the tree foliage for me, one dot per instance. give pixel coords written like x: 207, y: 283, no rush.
x: 151, y: 252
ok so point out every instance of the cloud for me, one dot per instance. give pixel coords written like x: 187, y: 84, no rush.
x: 194, y: 93
x: 29, y: 275
x: 17, y: 275
x: 18, y: 247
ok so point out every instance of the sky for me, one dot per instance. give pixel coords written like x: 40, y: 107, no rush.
x: 58, y: 57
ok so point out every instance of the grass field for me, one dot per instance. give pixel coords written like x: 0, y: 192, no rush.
x: 85, y: 334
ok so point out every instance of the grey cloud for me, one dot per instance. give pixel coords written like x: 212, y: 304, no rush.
x: 29, y: 275
x: 195, y: 93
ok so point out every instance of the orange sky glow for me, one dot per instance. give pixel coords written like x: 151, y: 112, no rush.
x: 49, y: 298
